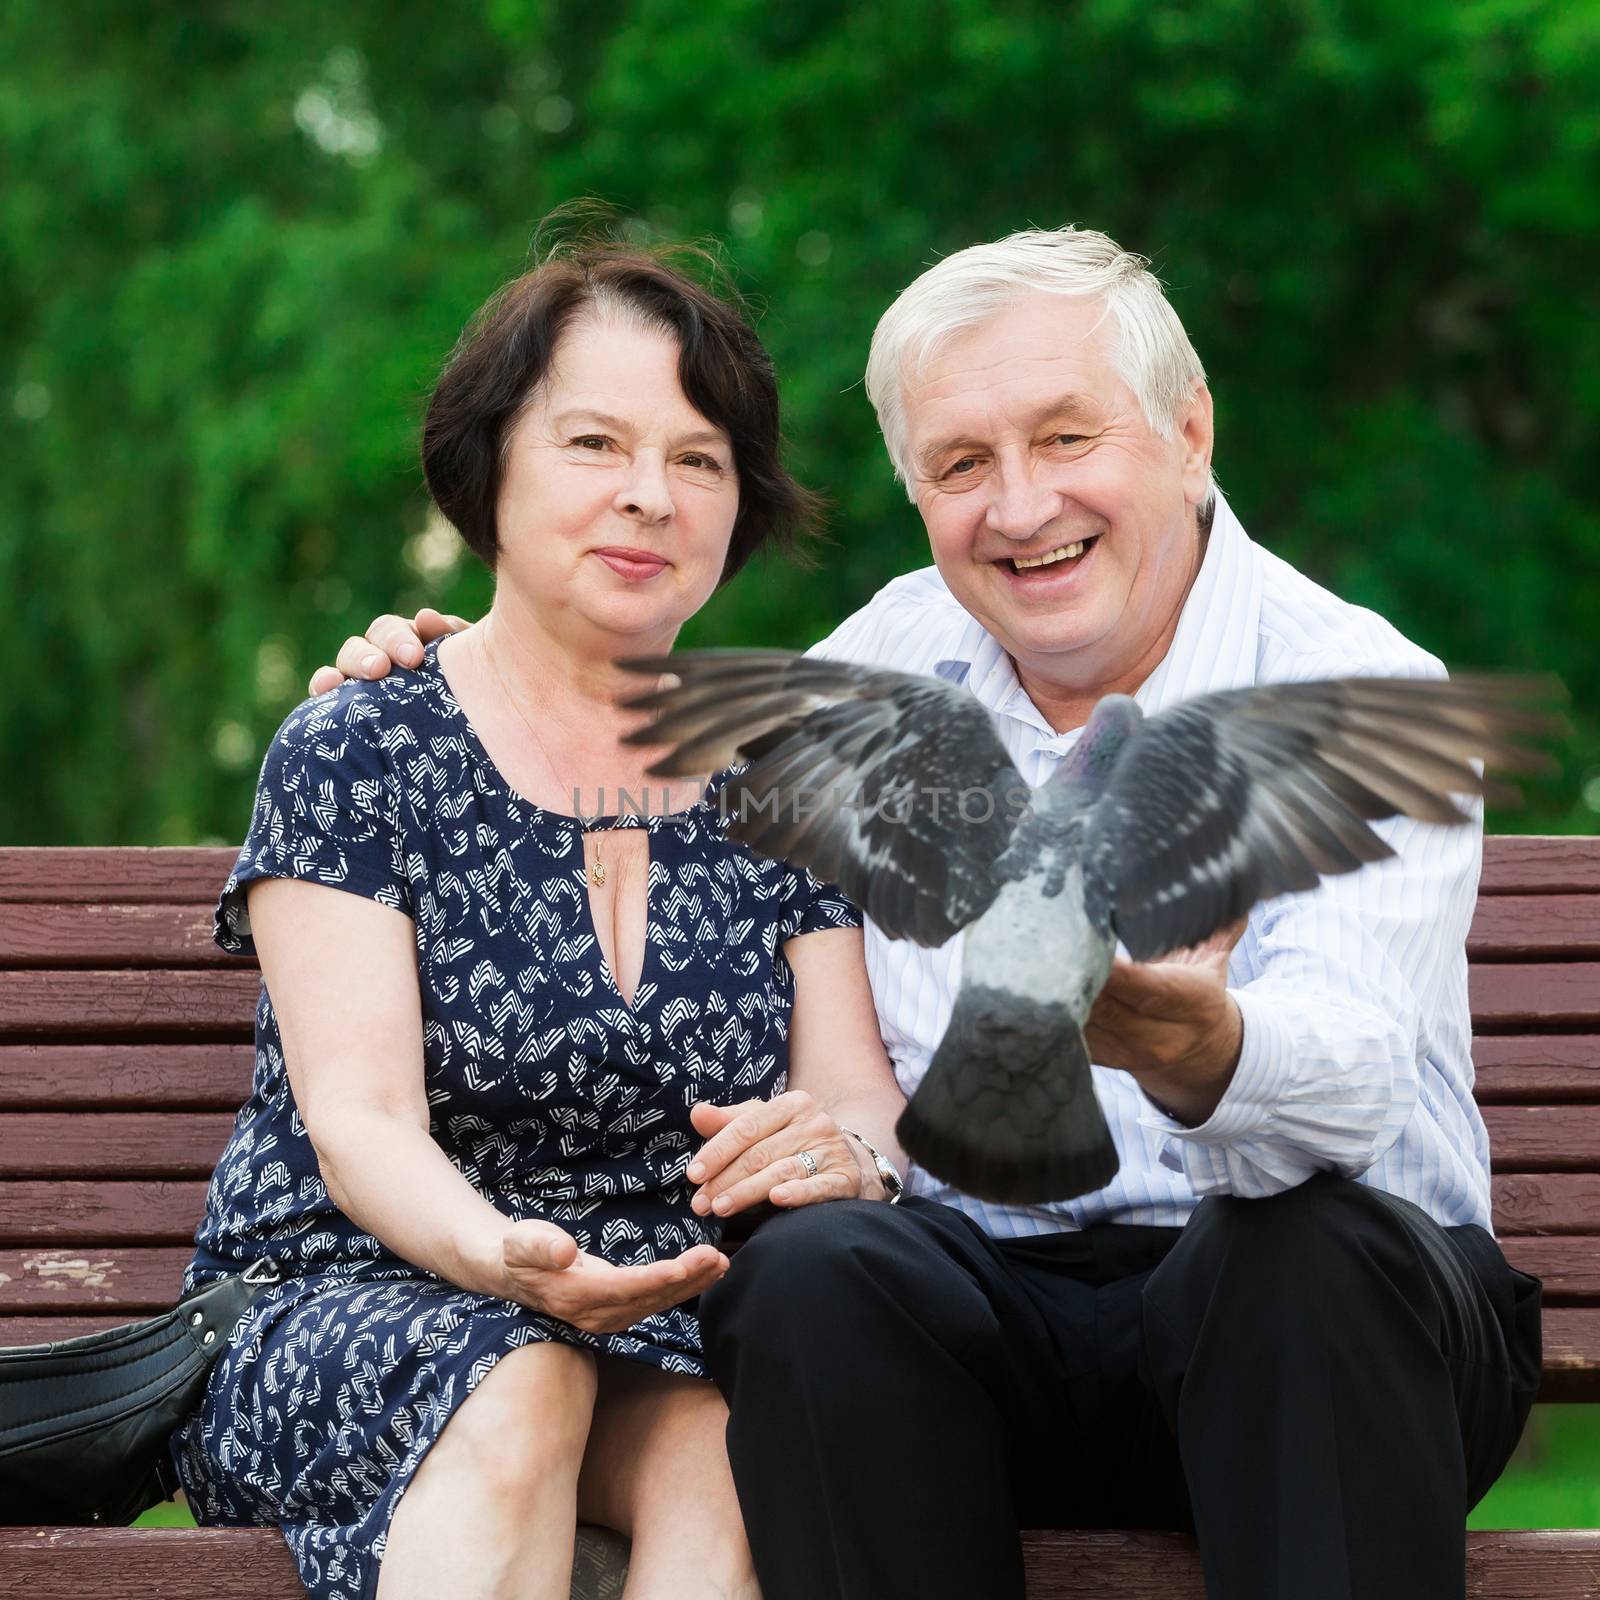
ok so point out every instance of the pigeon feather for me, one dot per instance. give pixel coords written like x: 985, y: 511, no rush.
x: 894, y: 786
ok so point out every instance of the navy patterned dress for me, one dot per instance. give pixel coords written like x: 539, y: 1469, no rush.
x: 555, y: 1098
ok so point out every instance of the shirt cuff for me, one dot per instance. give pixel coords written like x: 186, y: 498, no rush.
x: 1266, y: 1065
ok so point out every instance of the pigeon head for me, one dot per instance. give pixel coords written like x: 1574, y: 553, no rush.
x: 1112, y: 723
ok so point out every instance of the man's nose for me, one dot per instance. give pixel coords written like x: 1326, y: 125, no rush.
x: 1020, y: 505
x: 646, y: 496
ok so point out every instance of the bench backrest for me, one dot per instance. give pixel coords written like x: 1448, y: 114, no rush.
x: 125, y: 1051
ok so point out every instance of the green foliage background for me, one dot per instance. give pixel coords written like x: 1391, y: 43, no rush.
x: 236, y: 241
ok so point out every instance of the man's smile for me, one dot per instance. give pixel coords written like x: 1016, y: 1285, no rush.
x: 1050, y: 570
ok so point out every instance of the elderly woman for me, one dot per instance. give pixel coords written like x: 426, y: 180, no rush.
x: 502, y: 1006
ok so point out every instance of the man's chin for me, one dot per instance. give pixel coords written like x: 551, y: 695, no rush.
x: 1035, y: 642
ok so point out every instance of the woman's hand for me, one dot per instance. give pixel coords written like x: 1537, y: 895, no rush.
x: 546, y: 1271
x: 752, y: 1153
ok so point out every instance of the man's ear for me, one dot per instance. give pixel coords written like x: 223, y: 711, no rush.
x: 1195, y: 435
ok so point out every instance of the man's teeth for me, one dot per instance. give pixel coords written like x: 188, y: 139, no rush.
x: 1062, y: 553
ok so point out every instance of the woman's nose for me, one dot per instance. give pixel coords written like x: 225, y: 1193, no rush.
x: 646, y: 495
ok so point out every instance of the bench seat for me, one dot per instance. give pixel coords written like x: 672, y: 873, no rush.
x: 125, y: 1050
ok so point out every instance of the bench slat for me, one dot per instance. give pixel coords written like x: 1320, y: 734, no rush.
x: 130, y: 1279
x: 1512, y: 864
x: 1553, y: 1138
x: 77, y: 933
x: 1531, y: 864
x: 1569, y: 1265
x: 1505, y: 996
x: 133, y: 1144
x: 1539, y: 995
x: 108, y: 1076
x: 1539, y: 1067
x: 1571, y: 1342
x: 1571, y: 1337
x: 1547, y: 1202
x: 1099, y: 1565
x: 54, y: 1211
x: 1563, y: 926
x: 114, y: 873
x: 254, y: 1564
x: 109, y: 936
x: 84, y: 1212
x: 1571, y: 1353
x: 68, y: 1277
x: 1511, y: 1068
x: 80, y: 1002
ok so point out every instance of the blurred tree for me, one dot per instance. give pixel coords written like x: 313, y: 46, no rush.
x: 240, y: 239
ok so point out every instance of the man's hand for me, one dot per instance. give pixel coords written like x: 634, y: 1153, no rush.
x: 390, y: 641
x: 752, y: 1152
x: 1173, y: 1025
x: 545, y: 1270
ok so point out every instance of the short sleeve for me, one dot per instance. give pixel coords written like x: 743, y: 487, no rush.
x: 812, y: 905
x: 327, y: 811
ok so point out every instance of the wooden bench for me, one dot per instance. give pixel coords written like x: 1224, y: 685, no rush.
x: 125, y: 1050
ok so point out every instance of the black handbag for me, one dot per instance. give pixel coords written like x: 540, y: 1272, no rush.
x: 84, y: 1423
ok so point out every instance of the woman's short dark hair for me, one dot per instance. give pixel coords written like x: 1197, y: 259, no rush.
x: 506, y: 353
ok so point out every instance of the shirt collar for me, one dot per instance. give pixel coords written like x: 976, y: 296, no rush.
x: 1214, y: 647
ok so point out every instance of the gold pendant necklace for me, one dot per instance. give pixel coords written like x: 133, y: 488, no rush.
x: 595, y: 871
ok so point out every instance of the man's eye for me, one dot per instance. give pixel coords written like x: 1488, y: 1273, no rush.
x: 960, y: 468
x: 1070, y: 438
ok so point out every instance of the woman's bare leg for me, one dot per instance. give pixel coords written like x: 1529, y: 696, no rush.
x: 492, y: 1511
x: 657, y: 1470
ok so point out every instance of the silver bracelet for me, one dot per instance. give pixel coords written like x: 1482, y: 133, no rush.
x: 893, y: 1184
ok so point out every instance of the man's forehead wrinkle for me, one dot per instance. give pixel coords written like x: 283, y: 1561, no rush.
x: 983, y: 406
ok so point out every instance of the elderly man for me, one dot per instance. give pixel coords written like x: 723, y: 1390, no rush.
x: 1285, y: 1323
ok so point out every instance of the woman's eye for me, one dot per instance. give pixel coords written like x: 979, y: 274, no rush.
x: 592, y: 441
x: 702, y: 462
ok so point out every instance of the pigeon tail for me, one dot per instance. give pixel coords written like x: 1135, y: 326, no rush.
x: 1007, y: 1111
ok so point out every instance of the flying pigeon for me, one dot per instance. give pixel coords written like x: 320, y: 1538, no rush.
x: 1155, y: 831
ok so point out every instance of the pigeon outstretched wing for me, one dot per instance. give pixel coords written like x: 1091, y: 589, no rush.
x: 1235, y: 797
x: 894, y: 786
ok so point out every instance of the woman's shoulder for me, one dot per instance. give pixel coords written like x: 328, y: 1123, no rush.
x: 356, y: 728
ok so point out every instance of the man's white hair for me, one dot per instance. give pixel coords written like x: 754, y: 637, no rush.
x: 1153, y: 354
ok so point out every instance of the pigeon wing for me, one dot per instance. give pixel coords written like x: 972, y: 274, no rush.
x: 1235, y: 797
x: 894, y: 786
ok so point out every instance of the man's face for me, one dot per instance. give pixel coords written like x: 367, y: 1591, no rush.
x: 1023, y: 441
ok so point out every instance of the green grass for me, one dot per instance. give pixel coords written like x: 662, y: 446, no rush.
x: 169, y: 1514
x: 1553, y: 1480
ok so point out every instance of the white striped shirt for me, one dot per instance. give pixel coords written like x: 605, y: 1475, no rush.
x: 1357, y: 1034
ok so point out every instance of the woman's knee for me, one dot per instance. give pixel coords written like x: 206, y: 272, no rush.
x: 521, y: 1433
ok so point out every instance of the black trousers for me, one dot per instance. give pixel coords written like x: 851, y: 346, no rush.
x: 1319, y: 1384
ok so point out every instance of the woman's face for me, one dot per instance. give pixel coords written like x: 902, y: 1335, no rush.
x: 618, y: 499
